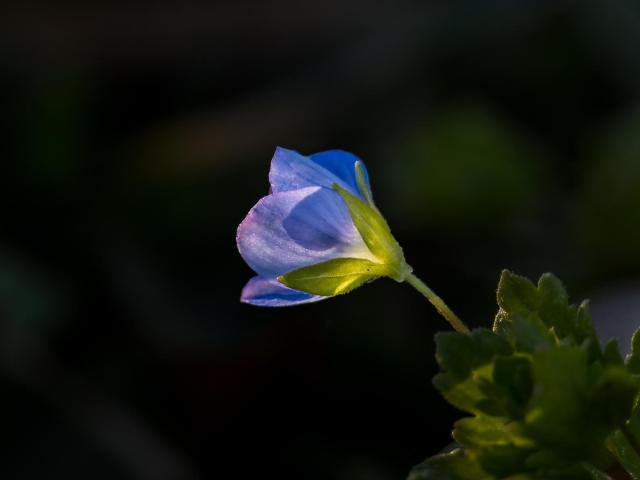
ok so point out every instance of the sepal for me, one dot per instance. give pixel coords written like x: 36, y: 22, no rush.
x: 376, y: 234
x: 333, y: 277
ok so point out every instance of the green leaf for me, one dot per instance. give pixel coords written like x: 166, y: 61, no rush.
x: 575, y: 406
x: 333, y: 277
x: 624, y: 443
x: 623, y: 450
x: 552, y: 290
x: 498, y: 445
x: 633, y: 359
x: 633, y: 423
x: 584, y: 323
x: 459, y: 353
x: 611, y: 353
x: 516, y: 295
x: 554, y: 306
x: 490, y: 431
x: 548, y: 316
x: 530, y: 333
x: 612, y: 392
x: 467, y: 394
x: 514, y: 375
x: 547, y: 401
x: 554, y: 414
x: 466, y: 361
x: 449, y: 466
x: 594, y: 473
x: 376, y: 234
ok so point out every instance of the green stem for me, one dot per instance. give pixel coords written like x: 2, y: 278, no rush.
x: 437, y: 302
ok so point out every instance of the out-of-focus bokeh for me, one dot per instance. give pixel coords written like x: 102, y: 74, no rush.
x: 498, y: 134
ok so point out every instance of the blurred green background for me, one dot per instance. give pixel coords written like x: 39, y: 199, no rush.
x: 498, y: 134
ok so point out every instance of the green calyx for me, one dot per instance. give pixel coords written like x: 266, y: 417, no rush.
x: 333, y: 277
x: 363, y: 186
x: 375, y: 231
x: 341, y: 275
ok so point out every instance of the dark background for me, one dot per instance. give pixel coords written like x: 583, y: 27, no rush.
x: 136, y: 137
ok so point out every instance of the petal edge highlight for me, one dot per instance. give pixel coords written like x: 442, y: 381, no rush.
x: 265, y: 292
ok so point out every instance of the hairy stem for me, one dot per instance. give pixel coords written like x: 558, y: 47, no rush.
x: 437, y: 302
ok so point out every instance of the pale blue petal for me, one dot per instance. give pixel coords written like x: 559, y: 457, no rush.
x: 289, y: 230
x: 290, y: 170
x: 265, y: 292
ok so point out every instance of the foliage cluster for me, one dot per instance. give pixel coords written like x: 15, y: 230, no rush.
x: 546, y: 399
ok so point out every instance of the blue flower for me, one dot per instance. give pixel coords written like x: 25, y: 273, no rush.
x: 317, y: 233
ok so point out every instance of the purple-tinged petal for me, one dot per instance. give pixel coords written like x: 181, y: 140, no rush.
x: 265, y: 292
x: 288, y: 230
x: 291, y: 171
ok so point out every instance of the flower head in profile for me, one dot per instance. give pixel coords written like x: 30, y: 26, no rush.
x: 317, y: 234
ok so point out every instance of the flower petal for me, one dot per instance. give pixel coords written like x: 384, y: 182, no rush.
x: 289, y: 230
x: 342, y: 165
x: 265, y: 292
x: 290, y: 170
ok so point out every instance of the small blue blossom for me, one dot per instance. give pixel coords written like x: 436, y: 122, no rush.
x: 317, y: 233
